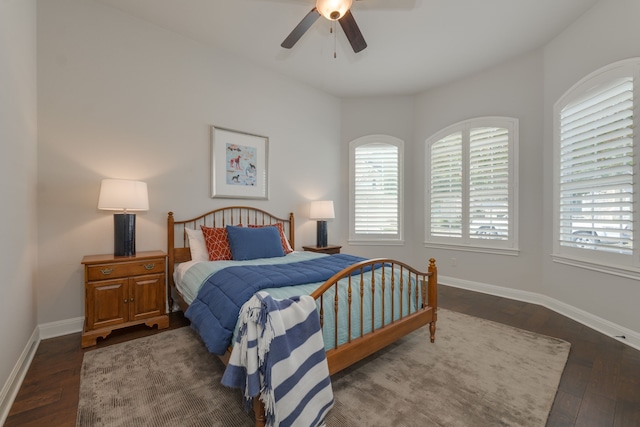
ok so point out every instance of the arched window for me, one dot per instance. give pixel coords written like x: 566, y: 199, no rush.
x: 376, y: 184
x: 595, y: 183
x: 471, y: 177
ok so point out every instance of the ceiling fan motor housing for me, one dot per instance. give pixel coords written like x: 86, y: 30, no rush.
x: 333, y: 9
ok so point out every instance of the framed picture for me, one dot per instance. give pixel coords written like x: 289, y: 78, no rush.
x: 239, y: 164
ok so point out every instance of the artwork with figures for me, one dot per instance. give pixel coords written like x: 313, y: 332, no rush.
x: 241, y: 165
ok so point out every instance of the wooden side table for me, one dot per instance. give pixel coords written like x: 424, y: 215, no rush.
x: 329, y: 249
x: 123, y: 291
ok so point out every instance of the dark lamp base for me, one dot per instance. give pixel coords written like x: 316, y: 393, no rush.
x: 321, y: 240
x: 124, y: 234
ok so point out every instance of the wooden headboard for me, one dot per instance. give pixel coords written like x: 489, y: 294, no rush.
x: 178, y: 244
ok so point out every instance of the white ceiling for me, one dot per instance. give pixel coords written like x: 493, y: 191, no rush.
x: 412, y: 44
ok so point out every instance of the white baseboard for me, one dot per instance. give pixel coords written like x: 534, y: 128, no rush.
x: 60, y: 328
x: 13, y: 383
x: 615, y: 331
x: 41, y: 332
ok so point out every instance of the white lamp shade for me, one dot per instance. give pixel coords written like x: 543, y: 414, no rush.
x: 333, y: 9
x: 322, y: 209
x: 123, y: 195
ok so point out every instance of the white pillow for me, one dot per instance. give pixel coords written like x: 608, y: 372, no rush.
x: 196, y: 244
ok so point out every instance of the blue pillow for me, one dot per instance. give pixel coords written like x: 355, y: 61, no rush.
x: 251, y: 243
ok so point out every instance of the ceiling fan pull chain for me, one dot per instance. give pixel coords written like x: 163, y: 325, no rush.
x: 334, y: 39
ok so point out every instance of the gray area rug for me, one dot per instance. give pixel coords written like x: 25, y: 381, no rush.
x: 477, y: 373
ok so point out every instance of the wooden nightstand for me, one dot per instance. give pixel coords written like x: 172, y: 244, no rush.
x: 123, y: 291
x: 329, y: 249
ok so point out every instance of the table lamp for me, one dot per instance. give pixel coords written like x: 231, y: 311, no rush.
x: 321, y: 210
x: 125, y: 196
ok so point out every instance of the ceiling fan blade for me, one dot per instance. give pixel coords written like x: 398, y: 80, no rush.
x: 348, y: 24
x: 301, y: 28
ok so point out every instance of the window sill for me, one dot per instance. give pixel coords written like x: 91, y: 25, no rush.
x: 616, y: 270
x: 376, y: 242
x: 469, y: 248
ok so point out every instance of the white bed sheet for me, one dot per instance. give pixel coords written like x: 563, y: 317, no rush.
x: 189, y: 276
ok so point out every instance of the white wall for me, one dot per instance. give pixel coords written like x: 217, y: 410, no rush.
x: 121, y: 98
x: 512, y: 89
x: 388, y: 115
x: 18, y: 128
x: 609, y: 32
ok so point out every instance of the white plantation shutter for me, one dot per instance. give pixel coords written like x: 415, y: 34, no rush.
x: 376, y: 195
x: 471, y: 178
x: 376, y: 180
x: 596, y: 169
x: 489, y: 183
x: 446, y: 186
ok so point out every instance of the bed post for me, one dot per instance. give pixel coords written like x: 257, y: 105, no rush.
x: 433, y: 296
x: 171, y: 254
x: 291, y: 233
x: 258, y: 412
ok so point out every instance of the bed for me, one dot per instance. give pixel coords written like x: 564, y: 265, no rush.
x: 363, y: 307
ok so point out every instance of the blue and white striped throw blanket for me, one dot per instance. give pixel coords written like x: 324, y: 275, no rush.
x: 279, y: 354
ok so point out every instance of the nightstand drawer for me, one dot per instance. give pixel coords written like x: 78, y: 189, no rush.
x: 329, y: 249
x: 124, y: 269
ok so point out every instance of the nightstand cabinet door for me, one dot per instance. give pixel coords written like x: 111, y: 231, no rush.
x: 106, y: 303
x: 146, y: 296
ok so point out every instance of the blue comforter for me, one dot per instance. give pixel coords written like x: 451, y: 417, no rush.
x: 215, y: 310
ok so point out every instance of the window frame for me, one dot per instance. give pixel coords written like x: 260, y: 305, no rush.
x: 598, y: 260
x: 376, y: 239
x: 465, y: 242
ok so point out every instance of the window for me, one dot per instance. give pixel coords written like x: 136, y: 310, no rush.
x: 594, y: 180
x: 376, y: 179
x: 470, y: 180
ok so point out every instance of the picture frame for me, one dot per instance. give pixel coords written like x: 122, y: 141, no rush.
x: 239, y: 164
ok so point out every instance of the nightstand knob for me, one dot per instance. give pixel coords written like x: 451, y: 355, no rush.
x: 149, y: 266
x: 106, y: 271
x: 131, y: 300
x: 126, y: 300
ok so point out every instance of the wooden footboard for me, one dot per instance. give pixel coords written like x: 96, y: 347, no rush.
x: 411, y: 294
x: 417, y: 291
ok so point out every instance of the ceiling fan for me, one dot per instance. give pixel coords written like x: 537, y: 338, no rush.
x: 333, y: 10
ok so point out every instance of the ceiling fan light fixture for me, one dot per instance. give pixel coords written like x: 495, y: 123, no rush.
x: 333, y: 9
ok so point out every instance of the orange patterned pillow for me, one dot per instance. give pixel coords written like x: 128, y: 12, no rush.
x: 283, y: 238
x: 217, y: 243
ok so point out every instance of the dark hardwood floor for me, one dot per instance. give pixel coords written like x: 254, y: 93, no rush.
x: 50, y: 391
x: 600, y: 386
